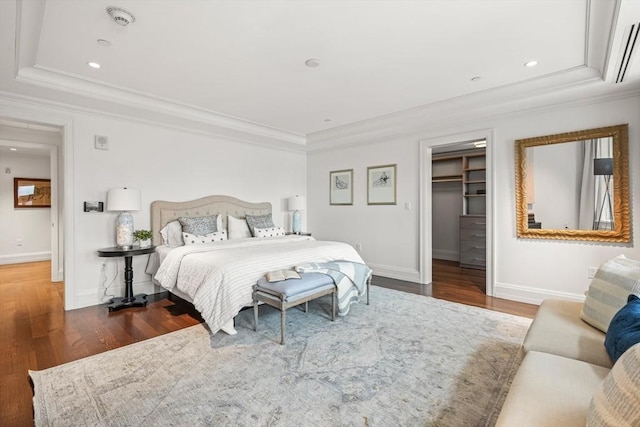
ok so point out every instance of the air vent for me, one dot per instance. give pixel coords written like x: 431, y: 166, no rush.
x: 629, y: 44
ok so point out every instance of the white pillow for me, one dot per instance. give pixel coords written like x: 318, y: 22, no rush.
x: 172, y: 234
x: 237, y: 228
x: 193, y: 239
x: 269, y: 232
x: 609, y: 290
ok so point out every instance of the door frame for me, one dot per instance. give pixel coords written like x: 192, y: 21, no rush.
x: 426, y: 234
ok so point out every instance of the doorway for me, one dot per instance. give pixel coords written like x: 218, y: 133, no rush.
x: 28, y: 143
x: 458, y: 188
x: 471, y: 198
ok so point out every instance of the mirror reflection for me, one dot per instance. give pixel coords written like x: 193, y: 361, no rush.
x: 574, y: 185
x: 572, y: 188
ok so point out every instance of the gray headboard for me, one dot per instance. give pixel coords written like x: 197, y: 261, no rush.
x: 164, y: 212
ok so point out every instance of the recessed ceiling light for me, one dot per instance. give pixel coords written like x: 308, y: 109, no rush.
x: 475, y: 79
x: 13, y: 149
x: 103, y: 42
x: 93, y: 65
x: 312, y: 63
x: 480, y: 144
x: 531, y: 64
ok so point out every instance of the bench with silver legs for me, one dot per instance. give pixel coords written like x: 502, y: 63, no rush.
x: 292, y: 292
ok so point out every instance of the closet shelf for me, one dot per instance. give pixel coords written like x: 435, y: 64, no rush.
x: 447, y: 178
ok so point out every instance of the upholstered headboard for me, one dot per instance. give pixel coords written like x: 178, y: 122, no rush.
x: 164, y: 212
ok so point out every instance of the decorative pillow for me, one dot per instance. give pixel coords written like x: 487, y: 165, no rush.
x: 270, y: 232
x: 200, y: 225
x: 194, y: 239
x: 259, y: 221
x: 172, y: 234
x: 616, y: 399
x: 624, y: 329
x: 238, y: 228
x: 609, y: 289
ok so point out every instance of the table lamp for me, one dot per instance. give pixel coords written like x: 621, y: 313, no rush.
x: 296, y: 204
x: 124, y: 200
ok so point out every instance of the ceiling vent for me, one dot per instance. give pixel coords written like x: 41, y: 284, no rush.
x: 120, y: 16
x: 629, y: 45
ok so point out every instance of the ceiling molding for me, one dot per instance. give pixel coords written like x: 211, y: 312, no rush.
x: 447, y: 119
x: 170, y: 122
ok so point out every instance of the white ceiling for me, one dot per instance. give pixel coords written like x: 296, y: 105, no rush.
x: 246, y: 59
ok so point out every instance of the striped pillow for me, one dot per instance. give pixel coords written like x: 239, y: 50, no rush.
x: 616, y: 400
x: 609, y: 290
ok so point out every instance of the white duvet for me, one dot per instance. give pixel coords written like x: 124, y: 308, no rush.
x: 218, y: 277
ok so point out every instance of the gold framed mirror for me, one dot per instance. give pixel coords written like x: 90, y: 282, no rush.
x: 574, y: 186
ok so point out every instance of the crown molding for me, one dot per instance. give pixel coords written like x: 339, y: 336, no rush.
x: 169, y: 122
x: 71, y: 84
x: 578, y: 86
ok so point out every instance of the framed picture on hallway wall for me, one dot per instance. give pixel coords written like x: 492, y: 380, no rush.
x: 341, y: 187
x: 381, y: 185
x: 31, y: 193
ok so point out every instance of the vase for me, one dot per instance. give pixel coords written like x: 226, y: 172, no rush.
x: 144, y: 243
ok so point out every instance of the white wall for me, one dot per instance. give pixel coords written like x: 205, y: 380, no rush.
x: 164, y: 164
x: 527, y: 270
x: 557, y: 179
x: 30, y: 226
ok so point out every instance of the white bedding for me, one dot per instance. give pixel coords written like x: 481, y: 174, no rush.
x: 218, y: 277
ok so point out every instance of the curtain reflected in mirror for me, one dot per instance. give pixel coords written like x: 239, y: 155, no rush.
x: 574, y: 185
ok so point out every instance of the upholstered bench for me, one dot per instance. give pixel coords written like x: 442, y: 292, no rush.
x: 291, y: 292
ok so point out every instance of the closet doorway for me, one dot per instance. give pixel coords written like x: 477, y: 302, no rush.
x: 458, y: 180
x: 456, y: 217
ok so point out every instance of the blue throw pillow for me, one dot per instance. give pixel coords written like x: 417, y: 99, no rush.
x: 624, y: 329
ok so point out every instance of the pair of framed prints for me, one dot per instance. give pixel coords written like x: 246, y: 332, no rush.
x: 381, y: 186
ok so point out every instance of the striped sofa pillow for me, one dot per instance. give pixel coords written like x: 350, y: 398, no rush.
x: 614, y: 281
x: 616, y: 400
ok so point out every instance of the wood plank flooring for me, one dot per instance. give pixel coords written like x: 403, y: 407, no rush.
x: 36, y: 333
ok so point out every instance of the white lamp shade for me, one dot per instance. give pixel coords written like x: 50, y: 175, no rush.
x: 296, y: 203
x: 123, y: 199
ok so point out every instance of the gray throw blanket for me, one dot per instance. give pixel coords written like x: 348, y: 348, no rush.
x: 350, y: 279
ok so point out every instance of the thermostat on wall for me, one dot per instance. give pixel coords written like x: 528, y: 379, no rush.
x: 101, y: 142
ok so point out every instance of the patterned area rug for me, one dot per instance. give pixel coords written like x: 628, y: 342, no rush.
x: 404, y: 360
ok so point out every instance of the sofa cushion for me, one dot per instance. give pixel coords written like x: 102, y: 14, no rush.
x: 609, y: 289
x: 557, y: 329
x: 616, y: 401
x: 624, y: 329
x: 550, y: 390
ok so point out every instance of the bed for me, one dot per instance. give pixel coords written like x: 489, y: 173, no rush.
x: 217, y: 277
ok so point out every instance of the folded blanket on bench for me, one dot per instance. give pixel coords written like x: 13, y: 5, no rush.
x: 350, y: 279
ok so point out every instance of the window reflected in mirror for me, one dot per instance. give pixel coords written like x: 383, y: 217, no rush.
x: 574, y: 185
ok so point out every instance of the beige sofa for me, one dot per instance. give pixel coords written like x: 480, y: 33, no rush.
x: 565, y: 362
x: 564, y: 379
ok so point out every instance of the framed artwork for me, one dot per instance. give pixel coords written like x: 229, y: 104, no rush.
x: 341, y: 187
x: 381, y: 185
x: 31, y: 193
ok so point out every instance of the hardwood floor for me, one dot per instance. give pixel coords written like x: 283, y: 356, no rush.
x: 36, y: 333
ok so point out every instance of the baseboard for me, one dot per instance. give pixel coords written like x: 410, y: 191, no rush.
x: 445, y: 254
x: 531, y: 295
x: 21, y: 258
x: 395, y: 272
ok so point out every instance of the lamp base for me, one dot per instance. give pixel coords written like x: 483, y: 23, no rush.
x: 124, y: 231
x: 296, y: 222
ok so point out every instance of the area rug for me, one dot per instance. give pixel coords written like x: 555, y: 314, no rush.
x: 404, y: 360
